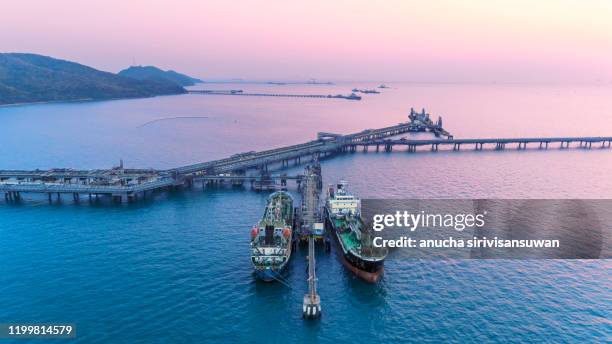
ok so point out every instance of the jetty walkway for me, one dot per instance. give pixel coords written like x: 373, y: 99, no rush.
x: 479, y: 144
x: 255, y: 168
x: 285, y: 95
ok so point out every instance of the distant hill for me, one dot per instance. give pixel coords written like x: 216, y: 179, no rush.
x: 156, y: 74
x: 26, y: 78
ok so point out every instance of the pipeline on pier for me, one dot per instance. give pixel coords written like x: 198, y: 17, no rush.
x: 311, y: 308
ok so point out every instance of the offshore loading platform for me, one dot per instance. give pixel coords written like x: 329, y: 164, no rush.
x: 122, y: 184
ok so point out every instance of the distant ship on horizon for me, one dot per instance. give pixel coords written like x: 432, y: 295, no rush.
x: 366, y: 91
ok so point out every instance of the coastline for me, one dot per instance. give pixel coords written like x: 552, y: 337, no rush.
x: 46, y: 102
x: 81, y: 100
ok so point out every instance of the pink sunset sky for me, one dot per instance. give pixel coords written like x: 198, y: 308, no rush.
x: 430, y: 41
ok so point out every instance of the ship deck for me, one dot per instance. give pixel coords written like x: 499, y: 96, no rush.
x: 349, y: 240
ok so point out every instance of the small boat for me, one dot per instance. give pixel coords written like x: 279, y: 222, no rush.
x: 352, y: 96
x: 365, y: 91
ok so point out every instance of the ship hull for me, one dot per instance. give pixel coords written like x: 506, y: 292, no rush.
x: 369, y: 271
x: 269, y: 275
x: 370, y: 277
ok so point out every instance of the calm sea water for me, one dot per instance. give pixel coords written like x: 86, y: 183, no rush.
x: 175, y: 268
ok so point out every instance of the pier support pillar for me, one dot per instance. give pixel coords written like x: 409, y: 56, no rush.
x: 500, y: 146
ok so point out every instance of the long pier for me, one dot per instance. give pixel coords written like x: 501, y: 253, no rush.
x: 479, y: 144
x: 261, y: 182
x: 285, y: 95
x: 124, y: 185
x: 296, y: 154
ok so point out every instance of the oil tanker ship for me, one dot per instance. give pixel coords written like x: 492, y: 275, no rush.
x: 354, y: 241
x: 271, y: 238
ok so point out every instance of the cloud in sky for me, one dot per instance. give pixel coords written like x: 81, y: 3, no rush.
x: 444, y: 40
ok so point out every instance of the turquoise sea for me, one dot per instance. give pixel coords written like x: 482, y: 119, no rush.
x: 175, y: 267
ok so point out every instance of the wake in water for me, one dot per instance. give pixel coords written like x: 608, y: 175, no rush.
x: 171, y: 118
